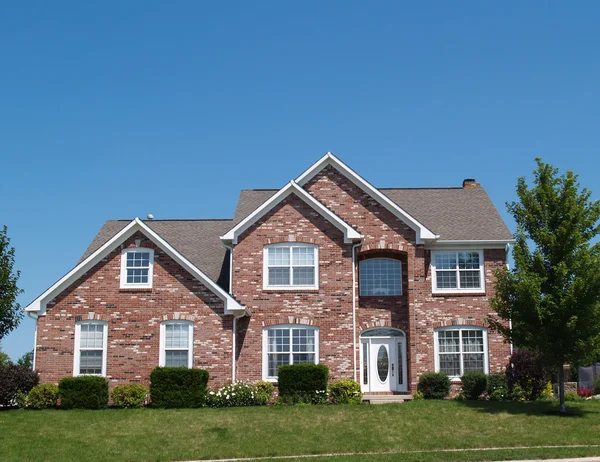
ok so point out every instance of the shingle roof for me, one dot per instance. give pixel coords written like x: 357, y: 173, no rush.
x: 196, y: 240
x: 453, y: 213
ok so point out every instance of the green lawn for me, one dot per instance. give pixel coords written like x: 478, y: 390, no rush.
x: 155, y: 434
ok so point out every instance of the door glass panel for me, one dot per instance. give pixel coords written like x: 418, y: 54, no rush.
x: 383, y: 363
x: 400, y: 370
x: 365, y: 363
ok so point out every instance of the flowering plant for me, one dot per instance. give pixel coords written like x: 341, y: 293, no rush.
x: 236, y: 394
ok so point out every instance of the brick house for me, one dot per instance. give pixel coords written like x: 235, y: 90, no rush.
x: 380, y: 285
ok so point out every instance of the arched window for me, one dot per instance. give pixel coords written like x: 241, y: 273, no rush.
x: 461, y: 349
x: 288, y: 344
x: 380, y: 276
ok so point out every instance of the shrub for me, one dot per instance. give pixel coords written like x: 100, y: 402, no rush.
x: 237, y: 394
x: 547, y: 394
x: 345, y: 391
x: 516, y: 394
x: 42, y: 396
x: 15, y: 379
x: 496, y: 387
x: 596, y: 386
x: 130, y: 395
x: 525, y: 368
x: 572, y: 397
x: 473, y: 385
x: 303, y: 383
x: 585, y: 392
x: 85, y: 392
x: 174, y: 387
x: 265, y: 390
x: 434, y: 385
x: 417, y: 395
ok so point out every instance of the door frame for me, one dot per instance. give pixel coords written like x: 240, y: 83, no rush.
x: 394, y: 341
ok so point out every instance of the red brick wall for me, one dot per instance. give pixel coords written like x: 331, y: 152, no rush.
x: 134, y: 318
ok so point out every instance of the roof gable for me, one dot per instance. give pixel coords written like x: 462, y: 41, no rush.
x: 39, y: 304
x: 350, y: 234
x: 423, y: 233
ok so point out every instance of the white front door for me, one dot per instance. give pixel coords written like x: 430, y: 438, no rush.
x: 383, y: 364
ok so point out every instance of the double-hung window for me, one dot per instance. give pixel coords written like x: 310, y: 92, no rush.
x: 176, y: 344
x: 294, y: 344
x: 136, y: 268
x: 90, y: 348
x: 461, y: 350
x: 291, y: 266
x: 457, y: 271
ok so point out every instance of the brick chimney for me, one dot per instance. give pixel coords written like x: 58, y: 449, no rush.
x: 470, y: 183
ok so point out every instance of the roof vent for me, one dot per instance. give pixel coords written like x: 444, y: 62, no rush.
x: 470, y: 183
x: 150, y: 217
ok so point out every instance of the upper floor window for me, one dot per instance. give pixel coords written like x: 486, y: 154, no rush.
x: 460, y: 271
x: 90, y: 348
x: 176, y: 344
x: 137, y: 267
x: 380, y: 276
x: 292, y: 265
x: 460, y: 350
x: 289, y: 344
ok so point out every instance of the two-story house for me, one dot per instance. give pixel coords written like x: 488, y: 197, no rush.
x: 380, y: 285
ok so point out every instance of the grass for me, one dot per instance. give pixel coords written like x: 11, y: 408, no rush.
x: 184, y: 434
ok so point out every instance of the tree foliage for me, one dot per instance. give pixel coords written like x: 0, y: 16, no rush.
x: 10, y: 311
x: 552, y: 294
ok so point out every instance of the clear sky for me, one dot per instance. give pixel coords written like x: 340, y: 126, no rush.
x: 119, y: 109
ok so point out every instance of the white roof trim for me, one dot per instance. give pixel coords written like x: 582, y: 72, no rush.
x: 423, y: 233
x: 39, y: 304
x: 488, y: 244
x: 350, y: 234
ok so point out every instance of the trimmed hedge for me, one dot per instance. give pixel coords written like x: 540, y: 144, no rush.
x: 496, y: 387
x: 473, y: 385
x: 303, y: 383
x: 130, y: 395
x: 42, y: 396
x: 345, y: 391
x: 178, y: 387
x: 14, y: 380
x: 434, y: 385
x: 85, y: 392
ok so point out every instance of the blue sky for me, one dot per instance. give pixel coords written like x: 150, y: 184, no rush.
x: 120, y: 109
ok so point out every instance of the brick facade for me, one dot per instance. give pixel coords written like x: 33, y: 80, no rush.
x: 134, y: 316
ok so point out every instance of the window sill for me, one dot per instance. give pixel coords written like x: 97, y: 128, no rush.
x: 478, y: 293
x: 135, y: 289
x: 290, y: 289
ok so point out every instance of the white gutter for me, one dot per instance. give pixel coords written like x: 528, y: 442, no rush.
x: 36, y: 318
x: 510, y: 320
x: 234, y: 327
x: 354, y: 305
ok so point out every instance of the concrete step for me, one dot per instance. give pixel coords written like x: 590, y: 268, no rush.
x: 386, y: 399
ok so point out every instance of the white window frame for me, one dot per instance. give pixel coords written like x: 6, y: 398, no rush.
x: 77, y: 349
x: 124, y: 284
x: 458, y: 289
x: 436, y: 347
x: 291, y: 286
x: 360, y: 276
x: 163, y: 340
x: 265, y: 352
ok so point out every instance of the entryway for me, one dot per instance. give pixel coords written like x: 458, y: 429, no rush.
x: 383, y: 360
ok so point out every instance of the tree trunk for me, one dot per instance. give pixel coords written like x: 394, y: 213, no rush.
x: 561, y: 388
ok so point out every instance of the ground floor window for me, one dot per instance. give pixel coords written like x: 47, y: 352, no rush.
x: 461, y: 350
x: 176, y: 344
x: 289, y: 344
x: 90, y: 348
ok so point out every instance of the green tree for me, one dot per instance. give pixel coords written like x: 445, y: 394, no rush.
x: 26, y: 360
x: 552, y: 294
x: 10, y: 310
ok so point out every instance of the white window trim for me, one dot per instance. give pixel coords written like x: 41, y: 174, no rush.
x: 379, y: 258
x: 436, y: 347
x: 77, y: 349
x: 162, y: 342
x: 124, y: 284
x: 471, y: 290
x: 266, y: 285
x: 265, y: 356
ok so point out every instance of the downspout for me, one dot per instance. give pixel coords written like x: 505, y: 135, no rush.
x: 34, y: 317
x: 234, y: 327
x: 510, y: 320
x: 354, y: 305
